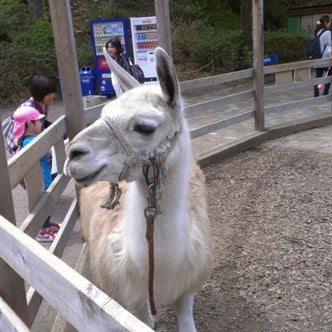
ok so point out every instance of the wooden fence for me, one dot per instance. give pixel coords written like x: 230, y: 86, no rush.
x: 74, y: 297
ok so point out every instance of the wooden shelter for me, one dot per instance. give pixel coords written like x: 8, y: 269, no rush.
x: 304, y: 19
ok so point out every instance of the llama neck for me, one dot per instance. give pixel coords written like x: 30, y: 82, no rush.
x: 170, y: 225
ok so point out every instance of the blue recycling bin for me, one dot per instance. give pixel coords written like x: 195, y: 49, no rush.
x: 87, y: 77
x: 271, y: 59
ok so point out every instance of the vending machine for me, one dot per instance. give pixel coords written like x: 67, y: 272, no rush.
x: 101, y: 32
x: 145, y: 40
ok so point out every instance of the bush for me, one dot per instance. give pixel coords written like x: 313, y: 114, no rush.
x: 199, y: 44
x: 195, y: 45
x: 289, y: 46
x: 29, y: 52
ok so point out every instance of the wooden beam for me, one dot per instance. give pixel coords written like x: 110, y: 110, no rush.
x: 163, y: 25
x: 314, y: 10
x: 258, y: 62
x: 11, y: 285
x: 64, y: 42
x: 9, y: 320
x: 85, y: 306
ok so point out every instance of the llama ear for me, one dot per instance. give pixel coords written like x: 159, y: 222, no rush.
x: 167, y: 77
x: 126, y: 81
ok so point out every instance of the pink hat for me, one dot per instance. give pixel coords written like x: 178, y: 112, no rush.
x: 21, y: 116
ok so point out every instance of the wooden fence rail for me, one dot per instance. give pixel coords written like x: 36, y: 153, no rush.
x: 89, y: 309
x: 78, y: 300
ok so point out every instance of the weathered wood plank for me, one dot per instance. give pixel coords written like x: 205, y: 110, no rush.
x: 91, y: 114
x: 204, y: 130
x: 302, y: 74
x: 296, y: 104
x: 296, y: 65
x: 34, y: 185
x: 89, y: 310
x: 57, y: 248
x: 205, y: 82
x: 218, y: 102
x: 284, y: 77
x: 11, y: 285
x: 9, y: 321
x: 60, y: 155
x: 64, y: 42
x: 258, y: 58
x: 41, y: 210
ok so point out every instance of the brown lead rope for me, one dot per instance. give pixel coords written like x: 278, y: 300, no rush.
x: 150, y: 215
x: 149, y: 237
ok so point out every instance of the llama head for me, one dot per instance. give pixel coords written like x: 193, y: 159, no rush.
x: 142, y: 124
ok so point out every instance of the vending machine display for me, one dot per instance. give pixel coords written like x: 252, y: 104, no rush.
x: 145, y: 40
x: 101, y: 32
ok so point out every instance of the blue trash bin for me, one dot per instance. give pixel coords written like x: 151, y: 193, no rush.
x: 271, y: 59
x: 87, y: 77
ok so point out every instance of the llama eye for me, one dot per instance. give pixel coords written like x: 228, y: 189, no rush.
x: 144, y: 129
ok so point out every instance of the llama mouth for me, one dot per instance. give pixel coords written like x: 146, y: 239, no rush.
x: 91, y: 178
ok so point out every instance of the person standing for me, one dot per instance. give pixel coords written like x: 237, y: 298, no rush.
x: 43, y: 92
x: 116, y: 51
x: 28, y: 123
x: 323, y: 29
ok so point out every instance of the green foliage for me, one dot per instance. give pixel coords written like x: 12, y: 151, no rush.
x: 30, y: 51
x: 275, y: 15
x: 288, y: 46
x: 200, y: 44
x: 12, y: 14
x: 225, y: 19
x: 42, y: 43
x: 186, y: 10
x: 213, y: 13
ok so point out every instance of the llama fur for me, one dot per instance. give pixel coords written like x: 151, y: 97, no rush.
x: 147, y: 116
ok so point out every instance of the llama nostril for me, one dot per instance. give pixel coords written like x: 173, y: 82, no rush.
x: 77, y: 153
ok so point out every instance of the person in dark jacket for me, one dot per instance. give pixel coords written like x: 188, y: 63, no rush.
x: 116, y: 51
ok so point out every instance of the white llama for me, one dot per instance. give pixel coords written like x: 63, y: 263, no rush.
x: 143, y: 139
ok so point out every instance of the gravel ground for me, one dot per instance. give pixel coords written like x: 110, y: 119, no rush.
x: 270, y: 211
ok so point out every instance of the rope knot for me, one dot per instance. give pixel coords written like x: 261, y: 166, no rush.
x: 113, y: 197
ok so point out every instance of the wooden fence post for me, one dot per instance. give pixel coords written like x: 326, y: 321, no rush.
x: 64, y: 41
x: 258, y: 62
x: 11, y: 284
x: 163, y: 25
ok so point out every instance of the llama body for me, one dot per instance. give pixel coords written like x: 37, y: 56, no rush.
x: 150, y: 121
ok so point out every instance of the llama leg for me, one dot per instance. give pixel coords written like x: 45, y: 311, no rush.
x: 184, y: 313
x: 144, y: 315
